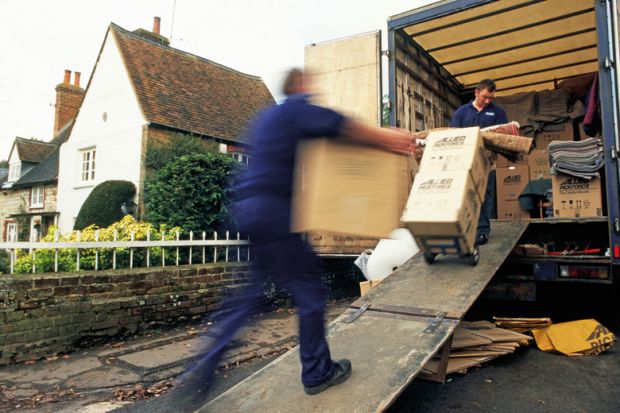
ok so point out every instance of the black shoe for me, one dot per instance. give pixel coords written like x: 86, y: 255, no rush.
x: 482, y: 238
x: 342, y: 371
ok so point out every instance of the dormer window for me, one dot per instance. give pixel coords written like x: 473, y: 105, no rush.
x: 14, y: 171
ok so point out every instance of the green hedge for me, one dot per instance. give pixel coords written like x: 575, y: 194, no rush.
x: 103, y: 206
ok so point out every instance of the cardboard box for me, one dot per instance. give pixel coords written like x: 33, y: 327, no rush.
x: 510, y: 184
x: 443, y: 208
x: 538, y: 162
x: 574, y: 197
x: 542, y: 139
x: 502, y: 162
x: 365, y: 286
x: 457, y: 149
x: 345, y: 188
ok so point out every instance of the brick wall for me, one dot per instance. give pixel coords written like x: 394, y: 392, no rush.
x: 43, y: 314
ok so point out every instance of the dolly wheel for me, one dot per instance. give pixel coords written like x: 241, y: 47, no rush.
x: 429, y: 257
x: 474, y: 257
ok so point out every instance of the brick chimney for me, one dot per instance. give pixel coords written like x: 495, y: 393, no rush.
x: 156, y: 24
x: 68, y: 100
x: 154, y: 35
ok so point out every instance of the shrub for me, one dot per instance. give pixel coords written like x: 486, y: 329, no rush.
x: 103, y: 205
x: 191, y: 192
x: 5, y: 262
x: 44, y: 260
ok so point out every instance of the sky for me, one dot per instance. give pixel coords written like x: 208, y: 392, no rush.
x: 259, y: 37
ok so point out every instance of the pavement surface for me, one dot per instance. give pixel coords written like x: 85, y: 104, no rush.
x: 100, y: 379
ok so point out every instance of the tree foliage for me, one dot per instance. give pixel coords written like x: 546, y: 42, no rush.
x: 158, y: 156
x: 103, y: 206
x: 191, y: 192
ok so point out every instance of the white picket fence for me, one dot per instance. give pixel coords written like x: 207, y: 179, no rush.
x: 228, y: 248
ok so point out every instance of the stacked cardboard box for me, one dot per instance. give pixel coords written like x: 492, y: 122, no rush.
x: 575, y: 198
x: 510, y: 184
x: 447, y: 193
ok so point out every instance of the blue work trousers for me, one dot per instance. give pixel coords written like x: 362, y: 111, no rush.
x: 291, y: 265
x: 489, y: 205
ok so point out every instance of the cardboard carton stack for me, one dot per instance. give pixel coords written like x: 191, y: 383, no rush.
x: 474, y: 343
x: 447, y: 193
x: 512, y: 177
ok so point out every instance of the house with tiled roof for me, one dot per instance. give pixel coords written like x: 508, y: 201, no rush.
x: 141, y: 92
x: 29, y: 189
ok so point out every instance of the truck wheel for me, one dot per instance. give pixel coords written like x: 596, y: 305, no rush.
x: 429, y: 257
x: 474, y: 257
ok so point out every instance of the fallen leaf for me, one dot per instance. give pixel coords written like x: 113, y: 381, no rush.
x: 30, y: 362
x: 66, y: 357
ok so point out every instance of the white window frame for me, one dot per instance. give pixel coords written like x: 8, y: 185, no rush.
x: 37, y: 196
x: 240, y: 157
x: 11, y: 236
x: 87, y: 164
x: 14, y: 171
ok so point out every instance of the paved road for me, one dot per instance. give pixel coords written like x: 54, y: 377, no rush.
x: 530, y: 380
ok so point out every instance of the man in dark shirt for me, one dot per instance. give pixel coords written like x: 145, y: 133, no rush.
x: 264, y: 212
x: 482, y: 112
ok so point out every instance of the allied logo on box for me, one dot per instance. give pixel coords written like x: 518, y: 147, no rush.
x: 450, y: 142
x: 512, y: 179
x: 436, y: 184
x: 574, y: 186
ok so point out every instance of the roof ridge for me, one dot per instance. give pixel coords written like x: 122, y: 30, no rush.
x: 34, y: 140
x: 183, y: 52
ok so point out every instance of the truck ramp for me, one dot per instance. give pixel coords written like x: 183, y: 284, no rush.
x: 389, y: 334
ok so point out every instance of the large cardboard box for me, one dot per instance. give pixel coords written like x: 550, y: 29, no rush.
x: 345, y: 188
x: 542, y: 139
x: 443, y: 207
x: 574, y: 197
x: 457, y: 149
x: 538, y: 161
x: 510, y: 184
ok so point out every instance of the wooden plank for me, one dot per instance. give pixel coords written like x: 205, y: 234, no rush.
x: 450, y: 284
x: 383, y: 351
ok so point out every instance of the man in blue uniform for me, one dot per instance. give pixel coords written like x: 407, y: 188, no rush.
x: 482, y: 112
x: 264, y: 212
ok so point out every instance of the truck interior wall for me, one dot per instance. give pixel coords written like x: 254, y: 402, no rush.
x: 426, y: 94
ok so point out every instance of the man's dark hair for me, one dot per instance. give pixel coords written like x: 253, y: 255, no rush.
x: 293, y: 81
x: 487, y: 84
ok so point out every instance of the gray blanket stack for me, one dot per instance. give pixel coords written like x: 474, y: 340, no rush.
x: 582, y: 159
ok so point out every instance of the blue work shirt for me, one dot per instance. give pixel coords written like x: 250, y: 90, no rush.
x: 467, y: 116
x: 274, y: 139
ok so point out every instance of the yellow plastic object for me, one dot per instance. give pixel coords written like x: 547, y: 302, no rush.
x: 575, y: 338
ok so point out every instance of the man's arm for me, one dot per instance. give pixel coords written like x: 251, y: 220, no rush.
x: 391, y: 139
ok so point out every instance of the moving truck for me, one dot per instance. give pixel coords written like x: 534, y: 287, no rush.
x: 436, y: 55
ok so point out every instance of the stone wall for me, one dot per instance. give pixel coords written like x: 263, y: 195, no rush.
x: 43, y: 314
